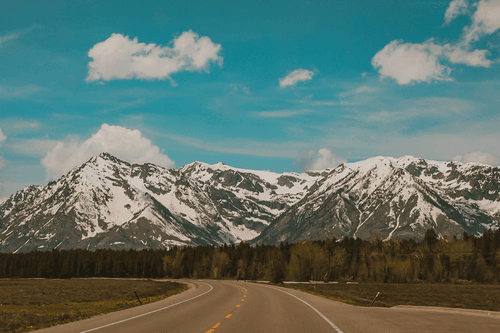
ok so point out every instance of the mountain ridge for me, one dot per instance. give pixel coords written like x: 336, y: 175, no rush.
x: 107, y: 202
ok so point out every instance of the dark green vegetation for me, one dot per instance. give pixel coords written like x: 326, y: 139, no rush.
x: 32, y: 304
x: 393, y: 261
x: 458, y: 295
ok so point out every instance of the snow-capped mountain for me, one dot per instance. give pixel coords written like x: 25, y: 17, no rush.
x: 399, y: 198
x: 107, y: 202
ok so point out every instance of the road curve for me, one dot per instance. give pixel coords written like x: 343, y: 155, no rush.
x: 230, y: 306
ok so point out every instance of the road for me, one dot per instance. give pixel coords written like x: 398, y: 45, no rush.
x: 229, y: 306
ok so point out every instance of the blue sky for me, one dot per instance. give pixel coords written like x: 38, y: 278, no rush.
x: 271, y: 85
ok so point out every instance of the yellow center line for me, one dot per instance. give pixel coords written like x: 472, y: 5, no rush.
x: 210, y: 330
x: 238, y: 306
x: 216, y: 325
x: 229, y: 315
x: 242, y: 299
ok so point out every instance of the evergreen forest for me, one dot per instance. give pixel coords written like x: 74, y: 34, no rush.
x: 434, y: 259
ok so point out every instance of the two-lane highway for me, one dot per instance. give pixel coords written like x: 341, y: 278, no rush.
x: 230, y: 306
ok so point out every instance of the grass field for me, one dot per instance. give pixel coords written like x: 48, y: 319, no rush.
x: 466, y: 296
x: 26, y: 304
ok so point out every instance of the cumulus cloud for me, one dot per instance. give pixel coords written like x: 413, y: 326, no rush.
x: 456, y: 8
x: 319, y: 160
x: 413, y: 63
x: 296, y: 76
x: 121, y: 142
x: 485, y: 21
x: 122, y: 58
x: 409, y: 63
x: 477, y: 157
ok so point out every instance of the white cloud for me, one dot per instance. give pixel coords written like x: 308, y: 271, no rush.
x: 485, y: 21
x: 296, y: 76
x: 2, y: 162
x: 456, y: 8
x: 120, y: 57
x: 122, y: 142
x: 461, y: 55
x: 282, y: 113
x: 319, y: 160
x: 409, y: 63
x: 477, y: 157
x: 2, y: 136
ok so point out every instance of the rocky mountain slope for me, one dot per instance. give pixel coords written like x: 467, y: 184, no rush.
x: 399, y: 198
x: 107, y: 202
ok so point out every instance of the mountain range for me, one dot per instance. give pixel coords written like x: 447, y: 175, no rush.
x: 110, y: 203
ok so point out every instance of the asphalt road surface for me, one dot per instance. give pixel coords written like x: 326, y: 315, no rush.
x: 230, y: 306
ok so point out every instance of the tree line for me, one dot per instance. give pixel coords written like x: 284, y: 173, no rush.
x: 448, y: 259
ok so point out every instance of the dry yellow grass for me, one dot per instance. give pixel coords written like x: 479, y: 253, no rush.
x: 465, y: 296
x: 29, y: 304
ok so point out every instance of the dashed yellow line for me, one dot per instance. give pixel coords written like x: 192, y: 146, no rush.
x: 229, y: 315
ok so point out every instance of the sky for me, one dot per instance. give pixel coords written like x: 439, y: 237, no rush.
x: 268, y: 85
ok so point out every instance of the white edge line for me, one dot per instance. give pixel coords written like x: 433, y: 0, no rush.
x: 147, y: 313
x: 312, y: 307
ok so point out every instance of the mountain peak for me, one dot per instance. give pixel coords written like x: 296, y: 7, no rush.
x: 107, y: 202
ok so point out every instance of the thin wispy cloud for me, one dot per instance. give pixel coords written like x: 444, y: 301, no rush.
x: 17, y: 34
x: 122, y: 58
x: 2, y: 137
x: 12, y: 92
x: 21, y: 124
x: 32, y: 147
x: 430, y: 108
x: 319, y: 160
x: 282, y: 113
x: 298, y: 75
x: 249, y: 147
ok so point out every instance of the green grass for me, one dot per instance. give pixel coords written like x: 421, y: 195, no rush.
x: 465, y: 296
x: 29, y: 304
